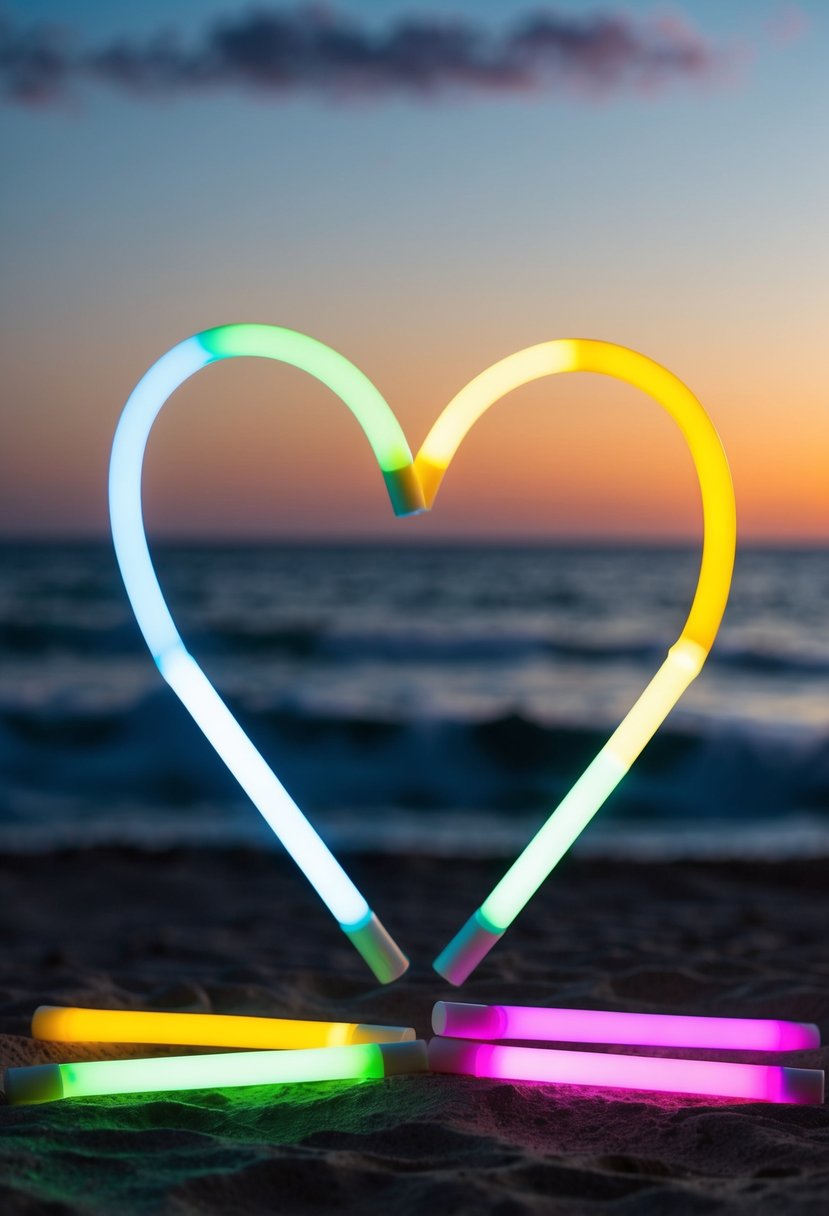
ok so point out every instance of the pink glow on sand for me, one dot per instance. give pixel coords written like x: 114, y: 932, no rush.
x: 706, y: 1078
x: 458, y: 1020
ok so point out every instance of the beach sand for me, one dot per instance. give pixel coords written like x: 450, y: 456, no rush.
x: 241, y: 932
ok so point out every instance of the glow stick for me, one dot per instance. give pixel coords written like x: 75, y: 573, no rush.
x: 181, y: 672
x: 685, y: 657
x: 68, y: 1025
x: 48, y: 1082
x: 461, y: 1021
x: 754, y: 1082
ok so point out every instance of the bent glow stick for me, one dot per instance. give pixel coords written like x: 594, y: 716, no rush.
x: 48, y: 1082
x: 69, y: 1025
x: 685, y: 658
x: 754, y: 1082
x: 462, y: 1021
x: 178, y: 668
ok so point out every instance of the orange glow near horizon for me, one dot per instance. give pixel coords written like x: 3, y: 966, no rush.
x: 424, y: 238
x: 236, y: 454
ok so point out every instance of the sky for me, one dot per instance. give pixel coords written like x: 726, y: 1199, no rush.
x: 426, y: 199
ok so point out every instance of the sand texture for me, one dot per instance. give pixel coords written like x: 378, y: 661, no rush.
x: 241, y: 933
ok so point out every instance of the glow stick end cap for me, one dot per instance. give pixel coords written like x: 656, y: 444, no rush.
x: 41, y: 1015
x: 460, y: 958
x: 439, y: 1018
x: 803, y: 1085
x: 453, y: 1056
x: 378, y: 948
x: 430, y: 475
x: 405, y: 490
x: 367, y: 1033
x: 36, y: 1083
x: 399, y: 1058
x: 477, y: 1021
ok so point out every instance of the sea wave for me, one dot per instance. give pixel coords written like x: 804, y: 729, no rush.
x: 323, y: 642
x: 508, y: 763
x: 453, y: 686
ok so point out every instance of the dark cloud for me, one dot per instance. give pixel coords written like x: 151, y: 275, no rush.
x: 276, y: 53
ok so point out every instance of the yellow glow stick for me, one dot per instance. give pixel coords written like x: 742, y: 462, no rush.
x: 685, y: 658
x: 69, y: 1025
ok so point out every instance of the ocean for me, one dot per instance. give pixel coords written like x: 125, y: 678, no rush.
x: 437, y: 700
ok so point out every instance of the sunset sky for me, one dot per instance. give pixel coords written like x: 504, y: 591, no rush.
x: 426, y: 202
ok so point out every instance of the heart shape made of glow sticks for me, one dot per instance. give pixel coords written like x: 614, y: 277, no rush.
x: 412, y: 485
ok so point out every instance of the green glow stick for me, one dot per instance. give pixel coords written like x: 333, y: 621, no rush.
x: 367, y: 1061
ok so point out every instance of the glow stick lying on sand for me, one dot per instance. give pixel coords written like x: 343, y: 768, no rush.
x: 755, y: 1082
x: 69, y: 1025
x: 461, y: 1021
x: 685, y: 658
x: 48, y: 1082
x: 178, y: 668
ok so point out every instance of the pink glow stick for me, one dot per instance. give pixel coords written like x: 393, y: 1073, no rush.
x: 461, y: 1021
x: 754, y: 1082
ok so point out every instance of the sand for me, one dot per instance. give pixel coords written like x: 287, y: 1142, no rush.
x: 241, y: 933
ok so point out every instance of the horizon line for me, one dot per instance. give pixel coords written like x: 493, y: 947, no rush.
x: 320, y: 540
